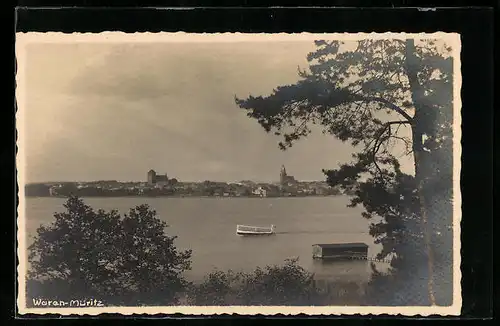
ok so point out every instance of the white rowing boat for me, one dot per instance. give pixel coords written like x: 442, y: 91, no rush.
x: 254, y: 230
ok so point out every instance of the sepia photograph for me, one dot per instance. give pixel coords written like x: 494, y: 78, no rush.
x: 238, y: 173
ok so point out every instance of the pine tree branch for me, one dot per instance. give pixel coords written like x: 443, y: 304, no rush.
x: 390, y: 105
x: 379, y: 139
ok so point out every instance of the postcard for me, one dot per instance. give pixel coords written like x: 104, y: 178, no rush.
x: 220, y: 173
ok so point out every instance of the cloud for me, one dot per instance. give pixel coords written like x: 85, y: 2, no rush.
x: 115, y: 111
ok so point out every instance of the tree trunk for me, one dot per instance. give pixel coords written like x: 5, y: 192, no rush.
x: 418, y: 96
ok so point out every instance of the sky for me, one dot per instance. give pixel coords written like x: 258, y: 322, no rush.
x: 97, y: 111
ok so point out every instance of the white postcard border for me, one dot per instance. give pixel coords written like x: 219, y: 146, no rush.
x: 24, y: 39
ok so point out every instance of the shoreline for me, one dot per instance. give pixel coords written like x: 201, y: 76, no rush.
x: 187, y: 197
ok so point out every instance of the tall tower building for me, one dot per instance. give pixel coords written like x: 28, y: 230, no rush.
x: 151, y: 177
x: 286, y: 179
x: 283, y: 175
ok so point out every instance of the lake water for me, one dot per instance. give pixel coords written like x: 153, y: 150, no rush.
x: 208, y: 227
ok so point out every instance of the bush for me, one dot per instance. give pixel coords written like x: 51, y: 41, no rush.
x: 217, y: 289
x: 125, y: 260
x: 288, y: 284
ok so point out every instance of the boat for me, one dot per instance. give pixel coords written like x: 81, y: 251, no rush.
x: 254, y: 230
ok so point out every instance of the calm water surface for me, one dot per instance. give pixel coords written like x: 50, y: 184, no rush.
x: 208, y: 227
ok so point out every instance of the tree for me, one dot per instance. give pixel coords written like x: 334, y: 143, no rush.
x: 37, y: 189
x: 287, y: 284
x: 97, y: 254
x: 371, y: 95
x: 216, y: 290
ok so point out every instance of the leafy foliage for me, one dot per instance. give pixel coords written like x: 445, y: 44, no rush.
x: 380, y: 93
x: 125, y: 260
x: 288, y: 284
x: 217, y: 289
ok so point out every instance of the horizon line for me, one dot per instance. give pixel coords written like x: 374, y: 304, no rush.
x: 145, y: 181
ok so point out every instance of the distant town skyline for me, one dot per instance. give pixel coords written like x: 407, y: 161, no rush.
x: 277, y: 179
x: 113, y: 111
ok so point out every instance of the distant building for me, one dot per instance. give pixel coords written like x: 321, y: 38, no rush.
x: 157, y: 180
x: 260, y: 191
x: 319, y: 191
x: 151, y: 177
x: 285, y: 179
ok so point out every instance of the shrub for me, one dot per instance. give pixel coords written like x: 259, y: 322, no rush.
x: 217, y: 289
x: 288, y: 284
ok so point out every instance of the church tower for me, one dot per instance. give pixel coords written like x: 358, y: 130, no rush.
x: 283, y: 175
x: 151, y: 177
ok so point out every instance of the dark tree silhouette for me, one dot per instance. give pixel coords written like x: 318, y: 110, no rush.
x: 286, y: 284
x: 379, y: 94
x: 125, y: 260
